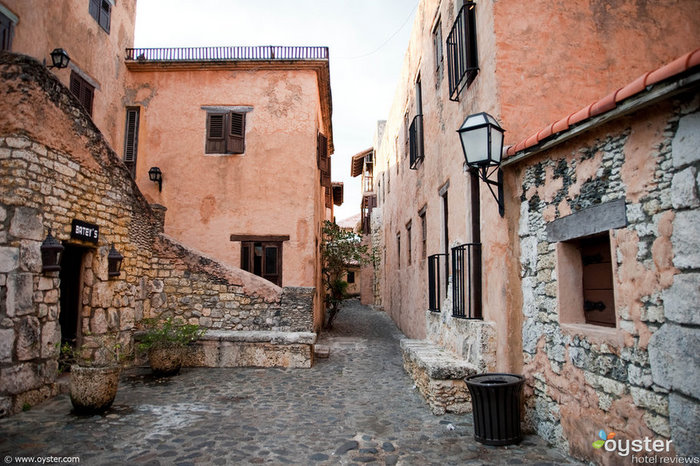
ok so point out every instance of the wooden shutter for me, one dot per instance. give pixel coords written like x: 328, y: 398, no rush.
x: 82, y: 90
x: 216, y: 142
x: 95, y: 9
x: 321, y: 151
x: 131, y: 135
x: 235, y: 143
x: 105, y: 15
x: 5, y: 33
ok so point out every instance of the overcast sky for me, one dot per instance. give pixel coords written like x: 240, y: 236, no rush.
x: 367, y: 40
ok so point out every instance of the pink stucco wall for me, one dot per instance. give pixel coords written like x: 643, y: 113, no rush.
x: 97, y: 55
x: 271, y: 189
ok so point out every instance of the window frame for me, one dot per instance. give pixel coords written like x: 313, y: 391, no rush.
x: 462, y: 51
x: 7, y: 29
x: 230, y: 140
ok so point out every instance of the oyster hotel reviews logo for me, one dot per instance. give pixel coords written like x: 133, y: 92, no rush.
x: 624, y: 447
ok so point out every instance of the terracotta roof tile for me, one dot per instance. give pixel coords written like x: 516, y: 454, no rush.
x: 609, y: 102
x: 633, y: 88
x: 605, y: 104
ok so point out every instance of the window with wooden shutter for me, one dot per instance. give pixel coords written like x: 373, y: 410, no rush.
x: 322, y: 151
x: 6, y: 30
x: 264, y: 259
x: 131, y: 136
x: 82, y: 90
x: 236, y: 135
x: 101, y: 11
x: 225, y: 133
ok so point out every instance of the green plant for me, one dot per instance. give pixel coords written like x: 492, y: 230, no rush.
x: 339, y: 249
x: 103, y: 350
x: 169, y: 332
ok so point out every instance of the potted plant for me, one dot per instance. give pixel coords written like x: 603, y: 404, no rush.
x: 94, y: 372
x: 165, y: 341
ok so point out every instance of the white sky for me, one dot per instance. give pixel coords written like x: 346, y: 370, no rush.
x: 367, y: 40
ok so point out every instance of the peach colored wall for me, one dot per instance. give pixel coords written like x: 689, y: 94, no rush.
x: 600, y: 45
x: 271, y: 189
x: 583, y: 395
x: 45, y: 25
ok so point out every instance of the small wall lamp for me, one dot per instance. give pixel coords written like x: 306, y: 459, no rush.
x: 154, y: 174
x: 482, y: 143
x: 114, y: 262
x: 59, y: 58
x: 51, y: 252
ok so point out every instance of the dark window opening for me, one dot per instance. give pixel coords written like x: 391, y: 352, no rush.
x: 462, y: 56
x: 131, y: 139
x: 351, y: 277
x: 598, y: 295
x: 225, y: 133
x: 446, y: 235
x: 264, y: 259
x: 408, y: 240
x: 83, y: 90
x: 423, y: 232
x: 101, y: 11
x: 398, y: 250
x: 437, y: 47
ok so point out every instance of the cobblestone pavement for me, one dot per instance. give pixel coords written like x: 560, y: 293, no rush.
x: 358, y: 406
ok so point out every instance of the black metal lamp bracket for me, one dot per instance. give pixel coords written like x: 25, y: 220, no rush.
x: 484, y: 175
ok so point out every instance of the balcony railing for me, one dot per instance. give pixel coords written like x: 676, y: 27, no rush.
x: 435, y: 291
x: 267, y: 52
x: 415, y: 136
x: 462, y: 57
x: 466, y: 281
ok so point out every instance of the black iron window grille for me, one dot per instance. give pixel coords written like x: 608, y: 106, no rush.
x: 466, y: 281
x: 435, y: 291
x: 416, y: 141
x: 462, y: 57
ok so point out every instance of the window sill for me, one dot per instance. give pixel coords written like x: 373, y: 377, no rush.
x: 595, y: 334
x: 224, y: 155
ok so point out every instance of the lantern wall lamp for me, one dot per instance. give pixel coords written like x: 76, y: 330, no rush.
x: 114, y: 262
x: 59, y: 58
x: 51, y: 252
x: 482, y: 143
x: 154, y: 174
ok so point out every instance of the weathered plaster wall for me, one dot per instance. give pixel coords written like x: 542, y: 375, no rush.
x: 613, y: 43
x: 64, y: 170
x: 583, y: 378
x: 271, y: 189
x: 95, y: 54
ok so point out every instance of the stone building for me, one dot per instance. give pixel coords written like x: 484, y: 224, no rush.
x: 76, y: 148
x: 477, y: 291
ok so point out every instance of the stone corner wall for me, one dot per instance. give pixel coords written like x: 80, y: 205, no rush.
x: 640, y: 378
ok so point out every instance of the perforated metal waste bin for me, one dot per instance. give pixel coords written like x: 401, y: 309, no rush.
x: 496, y: 407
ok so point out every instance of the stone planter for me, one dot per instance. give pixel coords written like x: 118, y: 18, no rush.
x: 93, y: 389
x: 166, y: 359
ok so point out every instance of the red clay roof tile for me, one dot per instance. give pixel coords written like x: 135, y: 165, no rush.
x: 561, y: 125
x: 583, y: 114
x: 605, y: 104
x: 633, y: 88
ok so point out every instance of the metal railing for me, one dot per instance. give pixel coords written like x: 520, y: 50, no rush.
x: 266, y: 52
x: 462, y: 57
x: 434, y: 280
x: 415, y: 136
x: 466, y: 281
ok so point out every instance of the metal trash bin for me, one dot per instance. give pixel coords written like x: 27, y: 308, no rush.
x: 496, y: 407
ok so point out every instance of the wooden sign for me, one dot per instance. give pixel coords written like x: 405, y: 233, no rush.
x: 85, y: 231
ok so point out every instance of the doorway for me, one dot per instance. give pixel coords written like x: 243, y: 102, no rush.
x: 71, y: 276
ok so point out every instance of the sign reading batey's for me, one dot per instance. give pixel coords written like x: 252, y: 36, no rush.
x: 85, y: 231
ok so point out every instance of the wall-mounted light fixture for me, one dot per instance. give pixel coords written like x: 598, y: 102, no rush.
x: 154, y: 174
x: 59, y: 58
x: 114, y: 262
x: 482, y: 143
x: 51, y: 252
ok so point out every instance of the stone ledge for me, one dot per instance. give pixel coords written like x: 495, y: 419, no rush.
x: 261, y: 336
x: 439, y: 376
x: 437, y: 363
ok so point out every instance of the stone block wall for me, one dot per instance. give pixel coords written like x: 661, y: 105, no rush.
x: 637, y: 378
x: 55, y: 167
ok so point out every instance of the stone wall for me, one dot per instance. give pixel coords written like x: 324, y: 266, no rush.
x: 637, y: 378
x: 55, y: 167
